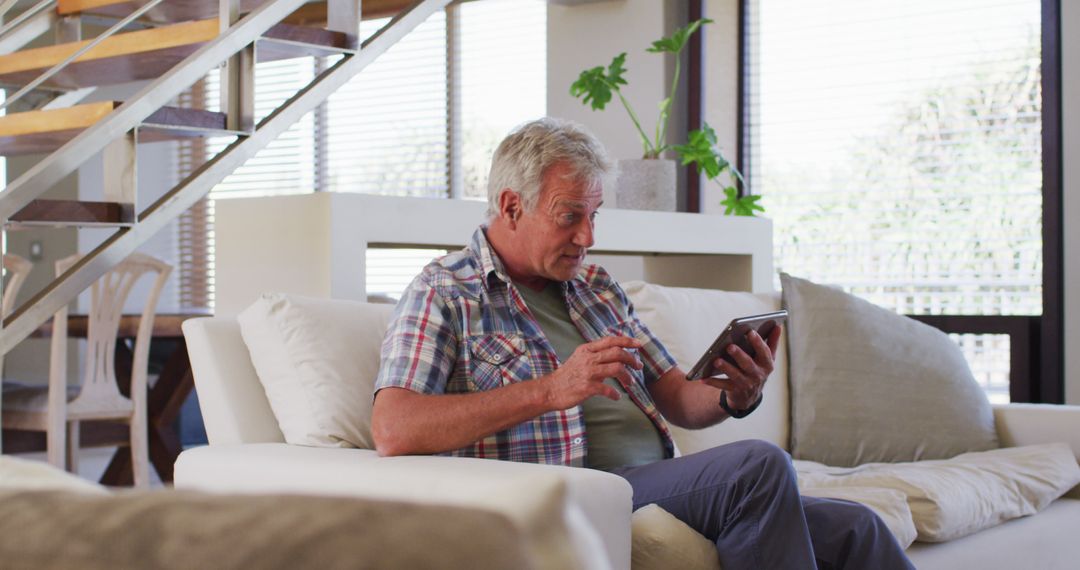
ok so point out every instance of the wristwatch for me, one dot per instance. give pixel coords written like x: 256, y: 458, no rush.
x: 738, y: 413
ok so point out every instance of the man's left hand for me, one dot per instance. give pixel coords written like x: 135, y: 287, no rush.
x: 745, y: 381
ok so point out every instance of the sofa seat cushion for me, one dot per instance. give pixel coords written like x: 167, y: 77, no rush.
x: 952, y: 498
x: 317, y: 360
x: 1046, y: 541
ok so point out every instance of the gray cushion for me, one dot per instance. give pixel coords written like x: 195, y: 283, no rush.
x: 869, y: 385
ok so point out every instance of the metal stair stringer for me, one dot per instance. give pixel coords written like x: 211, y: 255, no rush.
x: 22, y: 322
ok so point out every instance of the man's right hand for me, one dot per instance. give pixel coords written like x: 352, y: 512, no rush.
x: 583, y: 374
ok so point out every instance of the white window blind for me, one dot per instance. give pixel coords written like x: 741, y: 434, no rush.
x: 503, y: 55
x: 898, y: 147
x: 386, y: 128
x: 285, y: 165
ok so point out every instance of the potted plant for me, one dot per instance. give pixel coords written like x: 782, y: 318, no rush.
x: 649, y: 183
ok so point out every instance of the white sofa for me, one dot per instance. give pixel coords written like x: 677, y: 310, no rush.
x: 247, y: 453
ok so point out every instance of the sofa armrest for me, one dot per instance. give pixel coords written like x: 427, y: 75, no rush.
x: 1029, y: 424
x: 598, y: 510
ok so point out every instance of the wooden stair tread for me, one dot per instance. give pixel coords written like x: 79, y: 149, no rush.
x: 183, y: 10
x: 71, y: 212
x: 44, y: 131
x: 146, y: 54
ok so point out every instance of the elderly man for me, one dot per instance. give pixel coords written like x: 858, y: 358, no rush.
x: 515, y: 349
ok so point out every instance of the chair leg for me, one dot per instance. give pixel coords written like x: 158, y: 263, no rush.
x: 140, y: 455
x: 56, y: 445
x: 73, y: 447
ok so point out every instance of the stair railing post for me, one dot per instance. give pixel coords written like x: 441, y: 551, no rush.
x: 344, y: 16
x: 120, y: 174
x: 68, y: 29
x: 237, y: 76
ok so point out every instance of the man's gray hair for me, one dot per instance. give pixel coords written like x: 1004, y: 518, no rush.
x: 529, y: 150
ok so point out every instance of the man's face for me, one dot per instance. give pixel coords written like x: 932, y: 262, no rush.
x: 555, y: 235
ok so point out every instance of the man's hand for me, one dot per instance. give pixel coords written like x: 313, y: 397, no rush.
x: 583, y: 374
x: 745, y: 381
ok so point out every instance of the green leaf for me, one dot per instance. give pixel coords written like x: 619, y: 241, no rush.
x: 677, y: 41
x: 744, y: 206
x: 700, y: 149
x: 595, y: 86
x: 616, y: 70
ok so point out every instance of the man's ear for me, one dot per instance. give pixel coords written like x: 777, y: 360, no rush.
x: 510, y: 207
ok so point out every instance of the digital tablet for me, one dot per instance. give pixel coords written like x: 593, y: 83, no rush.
x: 735, y: 333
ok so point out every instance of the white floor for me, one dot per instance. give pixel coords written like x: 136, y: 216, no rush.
x: 92, y: 464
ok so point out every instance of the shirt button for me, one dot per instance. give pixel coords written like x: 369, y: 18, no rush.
x: 498, y: 358
x: 577, y: 441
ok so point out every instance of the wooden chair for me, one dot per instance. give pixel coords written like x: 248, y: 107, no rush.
x: 16, y: 268
x: 58, y: 409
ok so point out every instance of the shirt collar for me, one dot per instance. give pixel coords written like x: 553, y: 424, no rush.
x: 489, y: 261
x: 490, y: 264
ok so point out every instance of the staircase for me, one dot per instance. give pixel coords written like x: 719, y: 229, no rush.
x: 173, y: 44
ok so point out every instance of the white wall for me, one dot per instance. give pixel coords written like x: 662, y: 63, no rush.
x: 585, y: 36
x: 1070, y: 34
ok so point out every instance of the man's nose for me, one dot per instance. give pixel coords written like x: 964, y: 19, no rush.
x: 583, y: 237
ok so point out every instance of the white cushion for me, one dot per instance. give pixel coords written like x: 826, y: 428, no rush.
x: 317, y: 360
x: 951, y: 498
x: 687, y: 321
x: 17, y: 474
x: 868, y: 385
x: 662, y: 541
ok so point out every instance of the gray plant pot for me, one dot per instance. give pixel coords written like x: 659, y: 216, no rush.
x: 646, y: 185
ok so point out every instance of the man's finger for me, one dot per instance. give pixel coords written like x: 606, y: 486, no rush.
x: 744, y: 361
x: 721, y: 383
x: 774, y: 340
x: 762, y: 352
x: 614, y: 341
x: 616, y: 354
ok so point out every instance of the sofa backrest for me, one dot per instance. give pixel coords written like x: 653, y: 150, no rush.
x: 233, y: 402
x: 687, y: 321
x: 236, y: 410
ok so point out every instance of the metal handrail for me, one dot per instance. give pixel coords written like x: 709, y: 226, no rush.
x: 153, y: 219
x: 26, y: 15
x: 58, y: 67
x: 5, y: 6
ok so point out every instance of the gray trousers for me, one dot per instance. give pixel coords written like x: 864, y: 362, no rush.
x: 744, y: 497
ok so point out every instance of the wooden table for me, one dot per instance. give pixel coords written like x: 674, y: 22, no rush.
x: 174, y: 384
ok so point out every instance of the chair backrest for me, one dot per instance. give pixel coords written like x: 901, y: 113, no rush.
x: 107, y: 298
x: 17, y: 268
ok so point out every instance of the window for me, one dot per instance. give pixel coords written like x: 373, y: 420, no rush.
x: 422, y: 120
x: 898, y: 144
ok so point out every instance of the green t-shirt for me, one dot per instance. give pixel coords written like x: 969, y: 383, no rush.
x: 619, y: 433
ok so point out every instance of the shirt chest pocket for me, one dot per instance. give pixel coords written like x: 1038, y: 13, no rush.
x: 497, y: 360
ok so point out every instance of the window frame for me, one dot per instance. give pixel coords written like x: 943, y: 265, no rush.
x: 1037, y: 371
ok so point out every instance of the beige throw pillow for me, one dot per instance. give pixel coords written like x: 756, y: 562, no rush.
x: 889, y: 504
x: 869, y: 385
x: 951, y: 498
x: 661, y: 542
x: 317, y: 360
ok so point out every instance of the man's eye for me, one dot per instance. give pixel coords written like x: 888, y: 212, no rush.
x: 567, y: 219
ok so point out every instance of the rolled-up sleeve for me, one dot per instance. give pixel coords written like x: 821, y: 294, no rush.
x: 419, y: 350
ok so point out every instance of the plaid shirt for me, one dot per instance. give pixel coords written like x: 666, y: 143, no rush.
x: 462, y: 327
